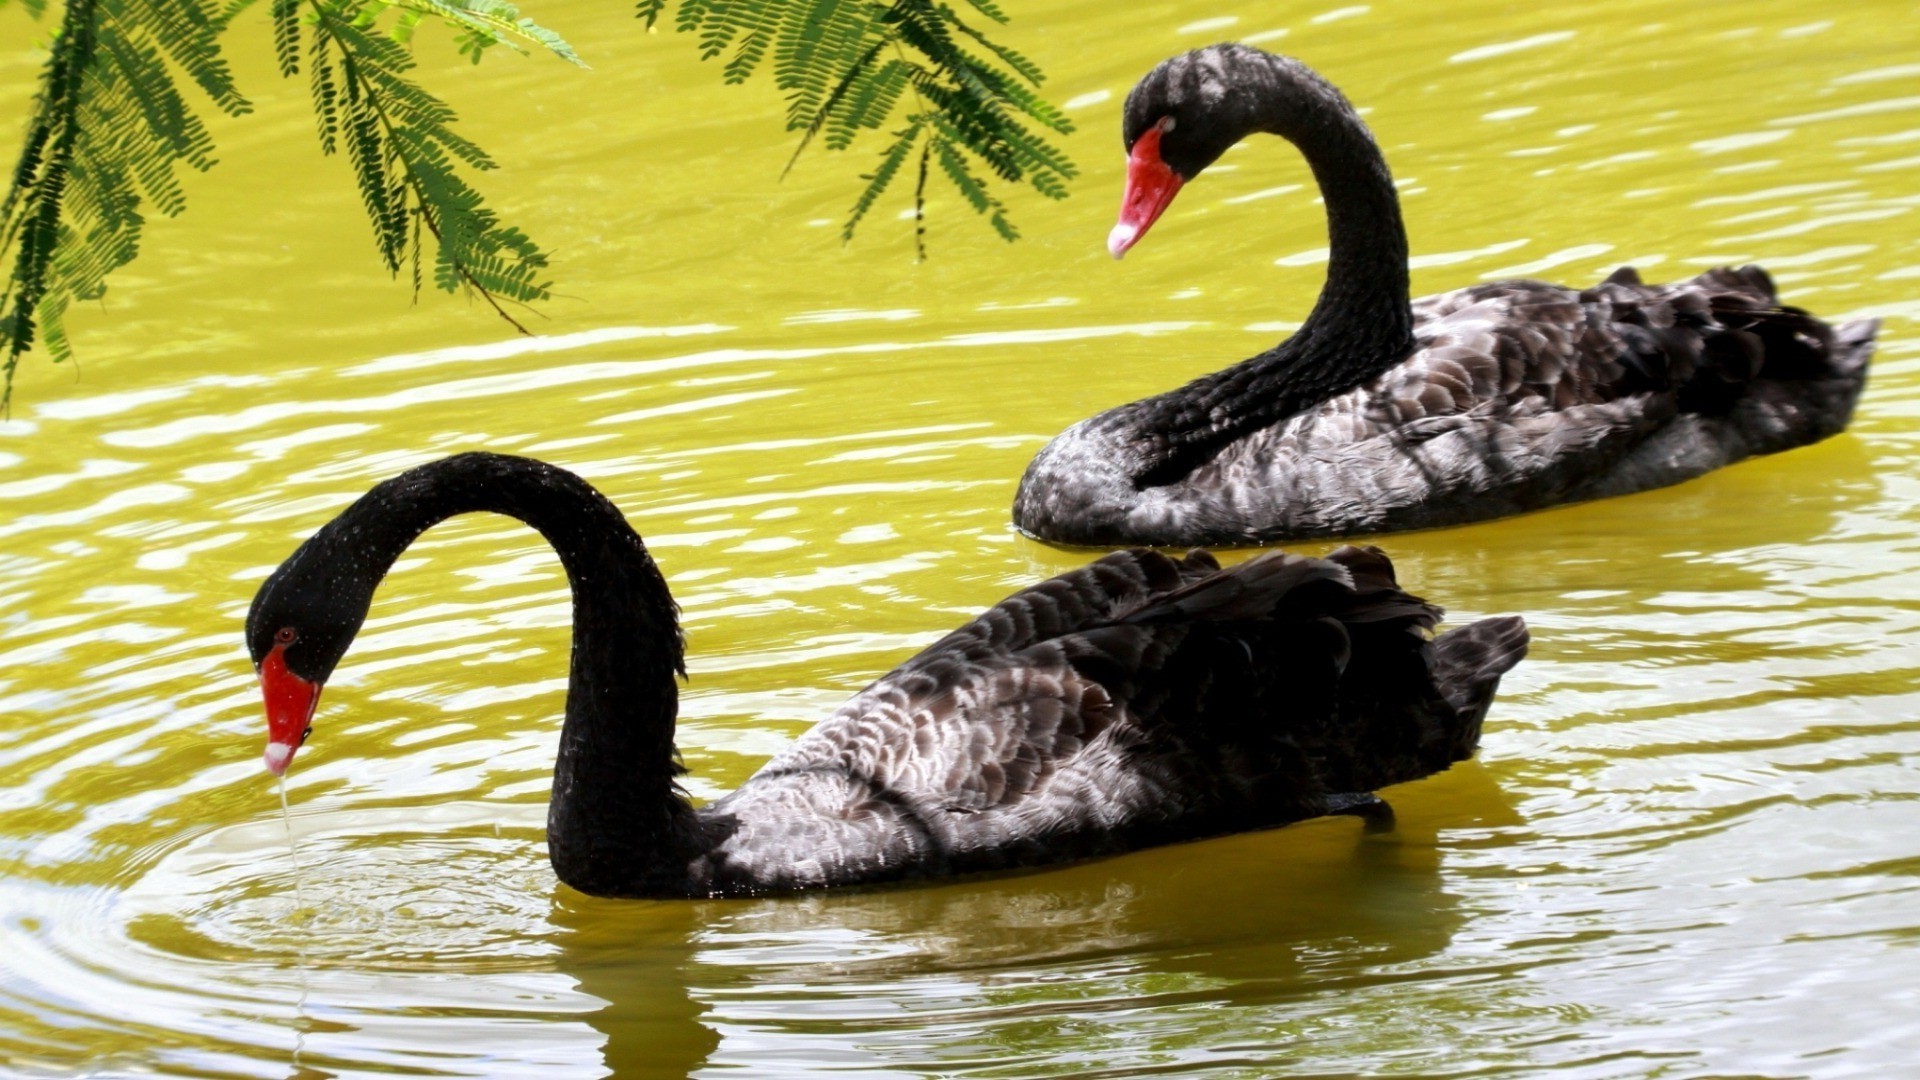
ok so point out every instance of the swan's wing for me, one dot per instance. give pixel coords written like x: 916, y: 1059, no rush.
x: 986, y: 712
x: 1689, y: 346
x: 1326, y: 687
x: 1176, y: 675
x: 1524, y: 395
x: 1089, y: 596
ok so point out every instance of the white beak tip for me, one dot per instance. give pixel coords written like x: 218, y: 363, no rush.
x: 277, y: 757
x: 1121, y: 238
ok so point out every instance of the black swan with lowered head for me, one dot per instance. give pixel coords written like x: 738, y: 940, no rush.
x: 1382, y: 414
x: 1139, y: 700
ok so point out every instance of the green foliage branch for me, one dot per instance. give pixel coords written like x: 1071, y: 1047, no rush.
x: 109, y: 131
x: 112, y: 129
x: 400, y: 141
x: 961, y: 102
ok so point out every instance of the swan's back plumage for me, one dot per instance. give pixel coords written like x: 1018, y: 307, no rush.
x: 1518, y: 395
x: 1141, y: 699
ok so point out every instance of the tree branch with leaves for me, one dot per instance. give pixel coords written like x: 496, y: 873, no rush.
x: 111, y: 129
x: 402, y: 146
x: 846, y: 68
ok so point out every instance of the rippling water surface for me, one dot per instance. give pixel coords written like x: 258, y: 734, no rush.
x: 1688, y: 847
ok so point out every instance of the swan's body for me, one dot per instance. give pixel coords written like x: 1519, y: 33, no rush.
x: 1382, y: 414
x: 1139, y: 700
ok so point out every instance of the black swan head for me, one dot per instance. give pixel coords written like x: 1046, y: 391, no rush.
x: 1192, y: 108
x: 299, y: 626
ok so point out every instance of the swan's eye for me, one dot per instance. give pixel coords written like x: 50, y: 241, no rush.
x: 286, y: 635
x: 1165, y: 125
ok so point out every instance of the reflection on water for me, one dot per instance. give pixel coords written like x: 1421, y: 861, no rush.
x: 1118, y: 966
x: 1684, y: 850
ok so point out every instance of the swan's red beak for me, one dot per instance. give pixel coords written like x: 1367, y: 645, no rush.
x: 1151, y: 185
x: 290, y: 702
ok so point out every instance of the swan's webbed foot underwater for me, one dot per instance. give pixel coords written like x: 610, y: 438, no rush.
x: 1366, y: 806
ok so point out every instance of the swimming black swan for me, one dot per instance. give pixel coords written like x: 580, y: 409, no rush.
x: 1138, y: 700
x: 1379, y: 414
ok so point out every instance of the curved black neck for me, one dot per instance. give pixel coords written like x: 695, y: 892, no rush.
x: 1362, y: 323
x: 617, y: 818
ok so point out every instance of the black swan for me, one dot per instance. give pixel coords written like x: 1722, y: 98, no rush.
x: 1382, y: 414
x: 1139, y: 700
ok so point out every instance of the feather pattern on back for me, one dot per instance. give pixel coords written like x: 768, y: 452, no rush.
x: 1142, y: 699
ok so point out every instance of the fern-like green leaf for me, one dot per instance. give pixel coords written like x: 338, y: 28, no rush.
x: 868, y: 104
x: 482, y: 23
x: 113, y: 126
x: 109, y: 132
x: 1021, y: 66
x: 849, y: 66
x: 405, y: 158
x: 183, y: 29
x: 858, y: 81
x: 325, y: 87
x: 877, y: 180
x: 970, y: 188
x: 991, y: 10
x: 286, y: 36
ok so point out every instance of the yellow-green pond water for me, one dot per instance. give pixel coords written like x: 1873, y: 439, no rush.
x: 1689, y: 847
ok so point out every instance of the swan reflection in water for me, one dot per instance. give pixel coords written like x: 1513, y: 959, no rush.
x: 1055, y: 969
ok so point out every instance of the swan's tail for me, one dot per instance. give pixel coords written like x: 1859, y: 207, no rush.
x: 1467, y: 665
x: 1853, y: 345
x: 1716, y: 339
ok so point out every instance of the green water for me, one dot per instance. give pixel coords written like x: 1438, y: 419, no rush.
x: 1687, y: 849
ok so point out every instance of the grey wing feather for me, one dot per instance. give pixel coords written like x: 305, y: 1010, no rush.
x: 985, y: 713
